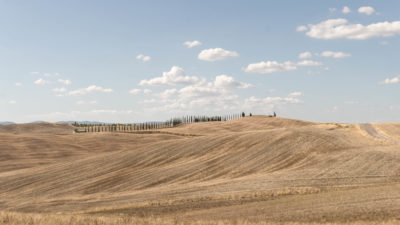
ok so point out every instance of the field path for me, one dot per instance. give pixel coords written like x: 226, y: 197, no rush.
x: 373, y: 132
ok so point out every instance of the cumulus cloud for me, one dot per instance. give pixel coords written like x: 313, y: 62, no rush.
x: 175, y: 76
x: 191, y: 44
x: 143, y: 58
x: 65, y: 82
x: 301, y: 28
x: 18, y: 84
x: 346, y: 10
x: 341, y: 28
x: 12, y: 102
x: 269, y: 104
x: 135, y: 91
x: 41, y: 81
x: 270, y: 67
x: 332, y: 10
x: 274, y: 66
x: 273, y: 100
x: 309, y: 63
x: 367, y: 10
x: 225, y: 81
x: 59, y: 89
x: 296, y: 94
x: 168, y: 93
x: 215, y: 54
x: 336, y: 55
x: 305, y: 55
x: 393, y: 80
x: 90, y: 89
x: 146, y: 91
x: 214, y: 95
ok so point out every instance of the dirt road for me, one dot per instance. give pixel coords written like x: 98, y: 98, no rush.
x: 373, y: 132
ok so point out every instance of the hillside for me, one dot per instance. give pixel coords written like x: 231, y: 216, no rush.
x: 258, y: 168
x: 37, y: 128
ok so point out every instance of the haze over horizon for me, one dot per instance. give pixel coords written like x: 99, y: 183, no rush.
x: 149, y: 61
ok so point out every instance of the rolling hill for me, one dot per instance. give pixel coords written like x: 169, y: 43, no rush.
x: 255, y: 169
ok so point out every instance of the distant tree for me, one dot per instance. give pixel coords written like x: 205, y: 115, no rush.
x: 274, y: 114
x: 250, y: 114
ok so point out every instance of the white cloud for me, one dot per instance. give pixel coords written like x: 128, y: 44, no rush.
x: 41, y: 81
x: 335, y: 109
x: 276, y: 100
x: 18, y: 84
x: 332, y: 10
x: 301, y: 28
x: 168, y: 93
x: 34, y: 73
x: 225, y: 81
x: 138, y: 91
x: 305, y: 55
x: 367, y: 10
x: 309, y: 63
x: 12, y: 102
x: 90, y: 89
x: 336, y: 55
x: 274, y: 66
x: 146, y: 91
x: 296, y: 94
x: 341, y: 28
x: 215, y: 54
x: 59, y: 89
x: 393, y: 80
x: 270, y: 67
x: 143, y: 58
x: 191, y: 44
x: 269, y: 104
x: 346, y: 10
x: 175, y: 76
x: 214, y: 95
x: 65, y: 82
x: 135, y: 91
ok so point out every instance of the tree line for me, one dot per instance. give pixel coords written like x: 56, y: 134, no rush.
x: 119, y: 127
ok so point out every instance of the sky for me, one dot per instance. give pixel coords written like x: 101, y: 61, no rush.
x: 134, y: 61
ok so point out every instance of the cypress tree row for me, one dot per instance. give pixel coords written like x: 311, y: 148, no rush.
x: 118, y: 127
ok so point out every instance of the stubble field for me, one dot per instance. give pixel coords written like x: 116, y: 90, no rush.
x: 253, y: 170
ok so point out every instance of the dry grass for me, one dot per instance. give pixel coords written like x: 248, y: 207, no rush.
x: 249, y: 170
x: 9, y: 218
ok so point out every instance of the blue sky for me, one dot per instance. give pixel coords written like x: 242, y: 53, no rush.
x: 132, y: 61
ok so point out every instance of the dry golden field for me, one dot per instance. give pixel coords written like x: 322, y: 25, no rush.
x: 254, y: 170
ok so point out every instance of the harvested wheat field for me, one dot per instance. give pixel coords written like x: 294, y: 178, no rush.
x: 253, y: 170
